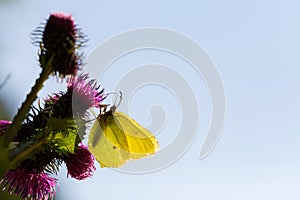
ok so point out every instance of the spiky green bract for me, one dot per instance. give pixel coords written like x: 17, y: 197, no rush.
x: 45, y: 146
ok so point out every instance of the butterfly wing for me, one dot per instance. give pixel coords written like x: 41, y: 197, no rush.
x: 116, y: 138
x: 107, y: 143
x: 141, y: 142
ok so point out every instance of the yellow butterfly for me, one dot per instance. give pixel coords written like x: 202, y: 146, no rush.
x: 116, y: 138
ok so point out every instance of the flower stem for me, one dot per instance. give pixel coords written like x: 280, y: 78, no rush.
x: 23, y: 110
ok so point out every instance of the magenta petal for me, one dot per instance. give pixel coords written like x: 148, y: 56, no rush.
x: 80, y: 164
x: 85, y: 94
x: 29, y: 184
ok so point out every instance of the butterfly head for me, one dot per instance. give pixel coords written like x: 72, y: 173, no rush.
x: 112, y: 109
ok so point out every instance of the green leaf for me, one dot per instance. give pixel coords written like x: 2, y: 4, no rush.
x: 64, y: 135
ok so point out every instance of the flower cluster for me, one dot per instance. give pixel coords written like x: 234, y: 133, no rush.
x: 52, y: 133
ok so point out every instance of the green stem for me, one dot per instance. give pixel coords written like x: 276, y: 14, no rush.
x: 23, y: 110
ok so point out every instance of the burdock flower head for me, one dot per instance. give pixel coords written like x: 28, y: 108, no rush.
x: 59, y: 40
x: 29, y: 184
x: 80, y: 164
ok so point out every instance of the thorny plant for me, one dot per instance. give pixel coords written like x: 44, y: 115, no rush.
x: 41, y: 138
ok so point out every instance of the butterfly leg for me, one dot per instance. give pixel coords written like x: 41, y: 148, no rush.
x: 103, y: 108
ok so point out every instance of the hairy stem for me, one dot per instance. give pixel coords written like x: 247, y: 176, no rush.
x: 23, y: 110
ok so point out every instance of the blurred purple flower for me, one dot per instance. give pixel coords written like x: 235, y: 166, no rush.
x: 29, y: 184
x: 3, y: 126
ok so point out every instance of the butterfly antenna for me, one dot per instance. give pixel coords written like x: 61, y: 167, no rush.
x: 114, y: 107
x: 121, y: 97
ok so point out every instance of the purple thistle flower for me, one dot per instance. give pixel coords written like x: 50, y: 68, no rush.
x: 85, y: 94
x: 80, y: 96
x: 3, y: 126
x: 29, y: 184
x: 58, y: 41
x: 80, y: 165
x: 60, y: 28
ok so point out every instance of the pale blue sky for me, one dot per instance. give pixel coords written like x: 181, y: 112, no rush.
x: 255, y: 45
